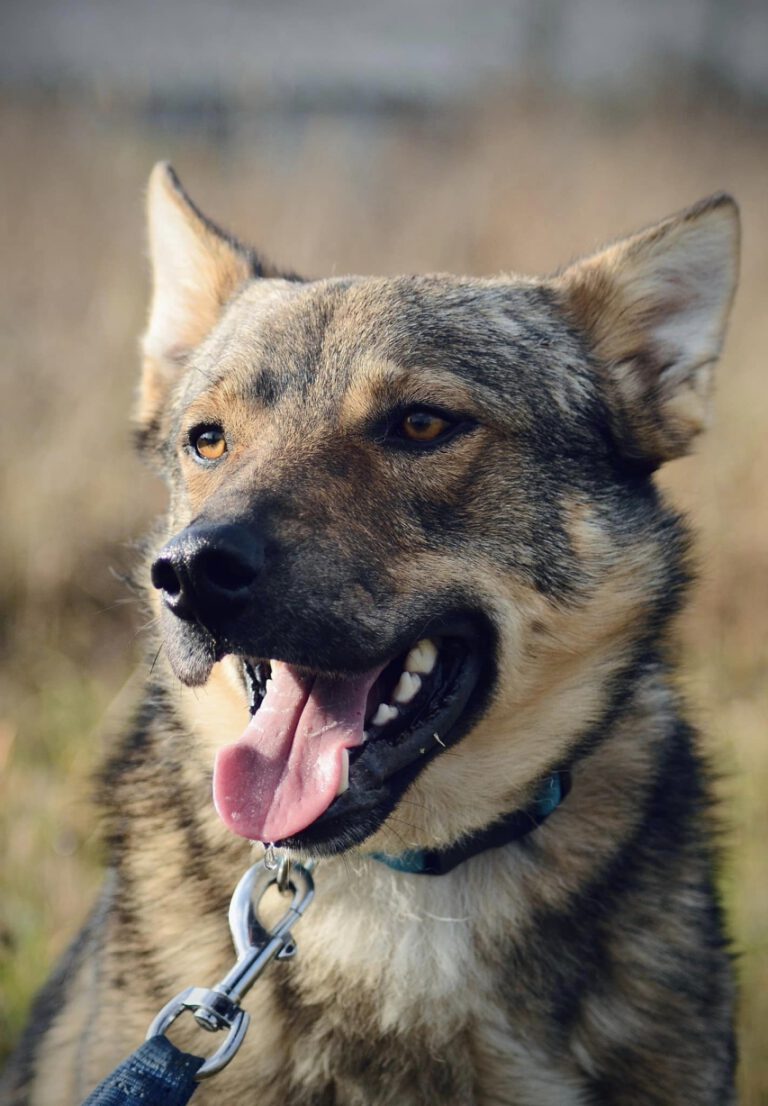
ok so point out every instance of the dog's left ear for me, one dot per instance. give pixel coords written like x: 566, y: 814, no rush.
x: 196, y: 268
x: 654, y: 309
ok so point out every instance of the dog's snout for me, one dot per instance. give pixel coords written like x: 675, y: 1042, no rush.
x: 207, y: 572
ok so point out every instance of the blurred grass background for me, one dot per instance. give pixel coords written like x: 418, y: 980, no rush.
x: 515, y: 179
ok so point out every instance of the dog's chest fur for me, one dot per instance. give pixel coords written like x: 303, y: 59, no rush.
x: 500, y: 983
x: 399, y: 995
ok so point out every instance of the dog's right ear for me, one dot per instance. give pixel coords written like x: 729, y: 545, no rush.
x: 196, y: 268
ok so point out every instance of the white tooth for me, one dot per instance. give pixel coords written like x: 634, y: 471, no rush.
x: 344, y: 781
x: 407, y: 687
x: 422, y: 657
x: 385, y: 713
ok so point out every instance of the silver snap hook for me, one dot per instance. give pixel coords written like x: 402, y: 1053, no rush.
x: 283, y: 874
x: 218, y: 1008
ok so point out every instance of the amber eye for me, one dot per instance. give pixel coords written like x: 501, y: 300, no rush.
x: 423, y: 426
x: 210, y: 444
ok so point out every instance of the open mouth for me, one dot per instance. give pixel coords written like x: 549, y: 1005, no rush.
x: 326, y: 756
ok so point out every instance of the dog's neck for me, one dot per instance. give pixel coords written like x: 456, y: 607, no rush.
x: 508, y: 829
x: 481, y: 902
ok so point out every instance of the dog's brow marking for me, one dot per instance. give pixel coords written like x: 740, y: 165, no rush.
x: 375, y: 383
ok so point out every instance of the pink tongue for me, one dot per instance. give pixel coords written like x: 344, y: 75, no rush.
x: 286, y: 768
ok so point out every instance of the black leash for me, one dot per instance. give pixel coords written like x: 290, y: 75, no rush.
x: 157, y: 1072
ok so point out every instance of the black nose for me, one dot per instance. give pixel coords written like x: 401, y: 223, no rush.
x: 207, y: 572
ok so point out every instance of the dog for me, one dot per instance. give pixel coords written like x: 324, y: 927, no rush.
x: 415, y: 600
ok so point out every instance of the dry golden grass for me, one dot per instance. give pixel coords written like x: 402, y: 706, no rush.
x: 501, y: 186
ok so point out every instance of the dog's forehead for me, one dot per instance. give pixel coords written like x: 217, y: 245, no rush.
x: 332, y: 335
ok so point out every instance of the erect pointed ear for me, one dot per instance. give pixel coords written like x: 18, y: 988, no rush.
x: 196, y: 268
x: 654, y: 309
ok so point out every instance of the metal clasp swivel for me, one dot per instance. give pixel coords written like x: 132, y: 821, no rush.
x: 219, y: 1007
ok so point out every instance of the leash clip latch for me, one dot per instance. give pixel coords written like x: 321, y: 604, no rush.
x: 219, y: 1007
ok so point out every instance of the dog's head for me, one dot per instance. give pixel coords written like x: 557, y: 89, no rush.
x: 415, y: 516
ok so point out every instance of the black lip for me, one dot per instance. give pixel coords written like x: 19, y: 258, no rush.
x: 384, y: 768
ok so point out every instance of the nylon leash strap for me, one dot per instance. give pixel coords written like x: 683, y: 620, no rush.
x: 157, y: 1072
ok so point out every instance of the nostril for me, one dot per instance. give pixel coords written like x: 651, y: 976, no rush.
x: 225, y: 571
x: 165, y: 578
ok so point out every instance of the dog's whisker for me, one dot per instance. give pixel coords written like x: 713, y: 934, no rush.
x: 155, y: 658
x: 406, y: 845
x: 403, y: 822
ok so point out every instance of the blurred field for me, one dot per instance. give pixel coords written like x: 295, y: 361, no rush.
x: 505, y: 185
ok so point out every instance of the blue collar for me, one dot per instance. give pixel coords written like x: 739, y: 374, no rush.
x: 436, y: 862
